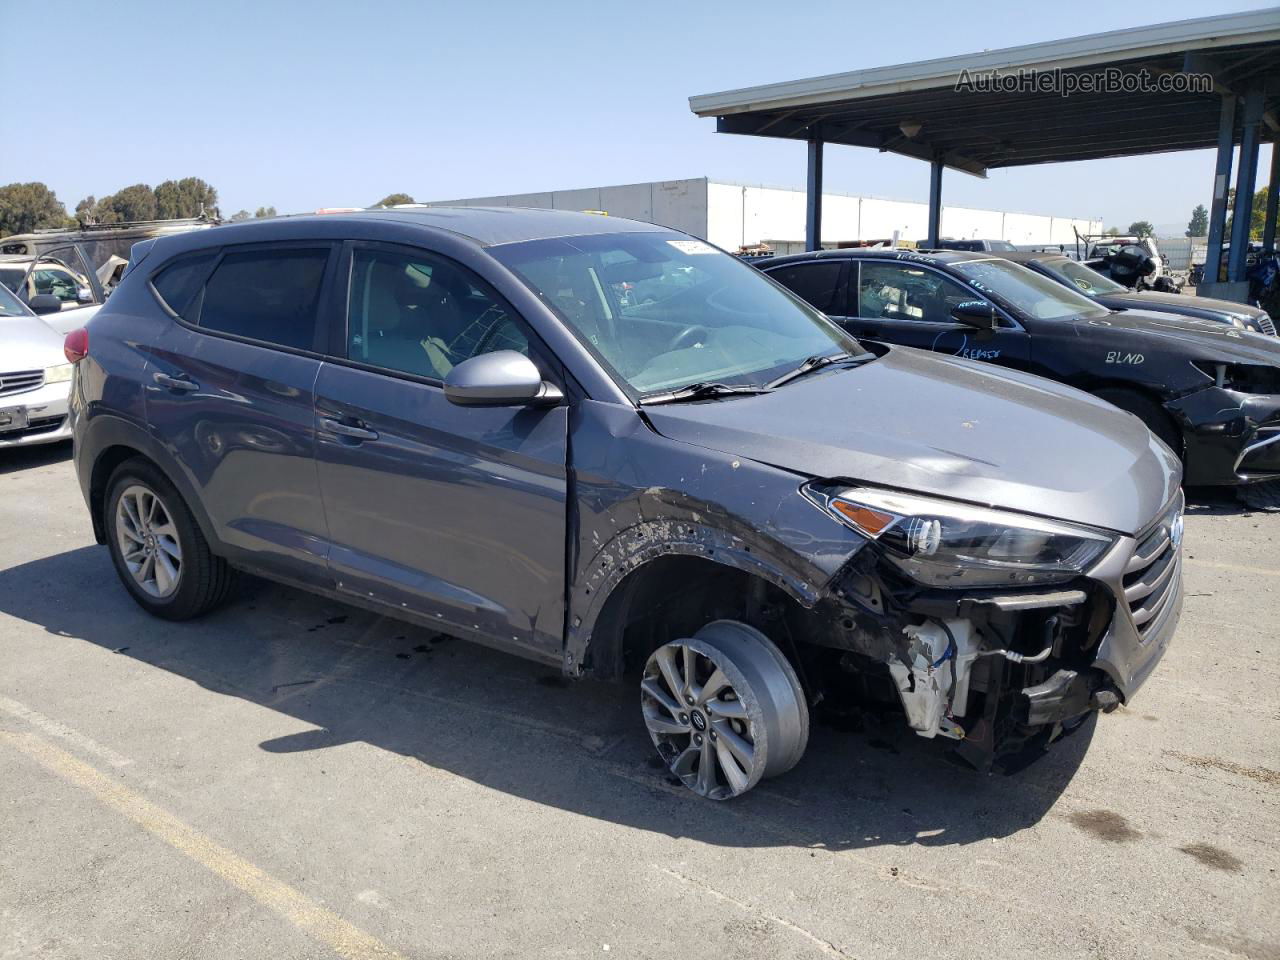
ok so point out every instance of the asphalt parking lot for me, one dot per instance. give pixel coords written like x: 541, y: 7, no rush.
x: 294, y: 778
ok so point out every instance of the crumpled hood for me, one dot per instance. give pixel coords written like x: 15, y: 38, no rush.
x: 1195, y: 339
x: 949, y: 427
x: 28, y: 343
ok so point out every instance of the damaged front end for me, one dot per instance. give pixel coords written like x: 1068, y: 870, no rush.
x: 996, y: 630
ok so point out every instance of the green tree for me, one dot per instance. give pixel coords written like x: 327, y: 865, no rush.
x: 30, y: 206
x: 137, y: 202
x: 188, y: 197
x: 391, y: 199
x: 1142, y: 228
x: 1198, y: 225
x: 1258, y: 215
x: 239, y: 216
x: 1111, y: 232
x: 84, y: 209
x: 264, y: 213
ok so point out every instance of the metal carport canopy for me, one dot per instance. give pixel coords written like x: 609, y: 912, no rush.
x: 924, y: 110
x: 975, y: 131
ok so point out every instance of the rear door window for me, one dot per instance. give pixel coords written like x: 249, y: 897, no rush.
x: 268, y: 295
x: 817, y: 284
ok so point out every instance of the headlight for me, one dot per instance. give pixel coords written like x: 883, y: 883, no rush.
x: 59, y: 374
x: 944, y: 544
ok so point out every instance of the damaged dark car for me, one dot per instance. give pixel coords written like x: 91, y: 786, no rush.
x: 612, y: 448
x: 1115, y: 296
x: 1210, y: 391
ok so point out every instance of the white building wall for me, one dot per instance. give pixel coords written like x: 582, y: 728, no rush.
x: 679, y: 204
x: 732, y: 215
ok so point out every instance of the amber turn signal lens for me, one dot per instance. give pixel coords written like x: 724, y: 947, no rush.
x: 872, y: 522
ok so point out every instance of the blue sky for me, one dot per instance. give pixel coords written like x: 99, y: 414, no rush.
x: 308, y: 104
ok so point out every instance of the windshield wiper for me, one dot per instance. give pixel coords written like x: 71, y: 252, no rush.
x: 817, y: 363
x: 704, y: 391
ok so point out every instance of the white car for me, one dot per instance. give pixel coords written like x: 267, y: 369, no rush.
x: 35, y: 377
x: 77, y: 296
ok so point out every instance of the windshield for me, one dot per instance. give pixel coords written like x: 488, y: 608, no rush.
x: 9, y: 305
x: 663, y: 310
x: 1086, y: 279
x: 1027, y: 292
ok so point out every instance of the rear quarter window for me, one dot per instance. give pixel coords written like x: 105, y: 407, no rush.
x: 176, y: 284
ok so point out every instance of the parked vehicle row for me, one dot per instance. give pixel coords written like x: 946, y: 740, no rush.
x: 1210, y: 391
x: 611, y: 447
x: 1116, y: 296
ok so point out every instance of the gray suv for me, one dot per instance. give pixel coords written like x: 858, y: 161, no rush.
x: 613, y: 448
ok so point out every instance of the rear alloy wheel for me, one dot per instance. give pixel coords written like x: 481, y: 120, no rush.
x: 148, y: 541
x: 725, y: 709
x: 157, y: 547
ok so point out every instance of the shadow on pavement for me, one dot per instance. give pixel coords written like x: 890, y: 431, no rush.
x: 13, y: 459
x: 515, y: 726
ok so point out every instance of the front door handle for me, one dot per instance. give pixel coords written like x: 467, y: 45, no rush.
x: 352, y: 430
x: 181, y: 384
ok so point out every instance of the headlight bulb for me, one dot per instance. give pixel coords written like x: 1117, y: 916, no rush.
x: 924, y: 537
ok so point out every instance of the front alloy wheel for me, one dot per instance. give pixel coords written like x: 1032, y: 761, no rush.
x: 724, y: 709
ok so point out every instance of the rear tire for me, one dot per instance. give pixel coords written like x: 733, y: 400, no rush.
x: 724, y: 709
x: 159, y: 553
x: 1149, y: 412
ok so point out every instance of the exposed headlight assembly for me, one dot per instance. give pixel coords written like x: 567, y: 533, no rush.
x: 1242, y: 377
x: 59, y: 374
x: 944, y: 544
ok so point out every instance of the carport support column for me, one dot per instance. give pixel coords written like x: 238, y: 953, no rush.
x: 1221, y: 180
x: 935, y: 202
x: 813, y: 198
x: 1246, y: 177
x: 1273, y: 198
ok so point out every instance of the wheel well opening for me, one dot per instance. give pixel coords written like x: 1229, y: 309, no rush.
x: 103, y: 468
x: 671, y: 598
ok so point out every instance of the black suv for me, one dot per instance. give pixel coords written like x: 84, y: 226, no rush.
x: 610, y: 447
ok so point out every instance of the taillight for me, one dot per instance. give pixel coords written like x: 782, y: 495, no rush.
x: 76, y: 346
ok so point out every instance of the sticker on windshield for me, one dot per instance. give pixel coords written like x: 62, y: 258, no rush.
x: 692, y: 247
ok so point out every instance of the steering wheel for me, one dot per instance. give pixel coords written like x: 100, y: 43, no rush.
x: 691, y: 336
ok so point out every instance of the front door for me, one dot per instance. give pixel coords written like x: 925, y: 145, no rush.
x: 454, y: 513
x: 910, y: 303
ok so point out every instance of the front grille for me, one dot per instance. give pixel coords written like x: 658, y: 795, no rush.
x: 1151, y: 577
x: 20, y: 382
x: 1267, y: 324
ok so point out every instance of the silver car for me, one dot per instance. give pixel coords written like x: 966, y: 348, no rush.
x: 35, y: 377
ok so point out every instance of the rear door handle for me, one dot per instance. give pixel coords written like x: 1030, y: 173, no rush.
x: 352, y: 430
x: 181, y: 384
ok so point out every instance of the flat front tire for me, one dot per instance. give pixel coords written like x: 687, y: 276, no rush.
x: 159, y: 553
x: 724, y: 709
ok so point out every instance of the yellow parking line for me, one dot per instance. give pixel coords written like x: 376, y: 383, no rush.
x: 1239, y: 567
x: 340, y: 936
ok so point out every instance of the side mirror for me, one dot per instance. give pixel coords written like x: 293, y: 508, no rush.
x: 975, y: 313
x: 45, y: 303
x: 84, y: 295
x: 503, y: 378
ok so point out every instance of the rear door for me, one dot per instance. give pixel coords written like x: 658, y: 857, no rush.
x: 455, y: 513
x: 910, y: 303
x: 231, y: 394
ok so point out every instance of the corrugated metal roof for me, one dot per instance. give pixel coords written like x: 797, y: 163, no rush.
x: 976, y: 130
